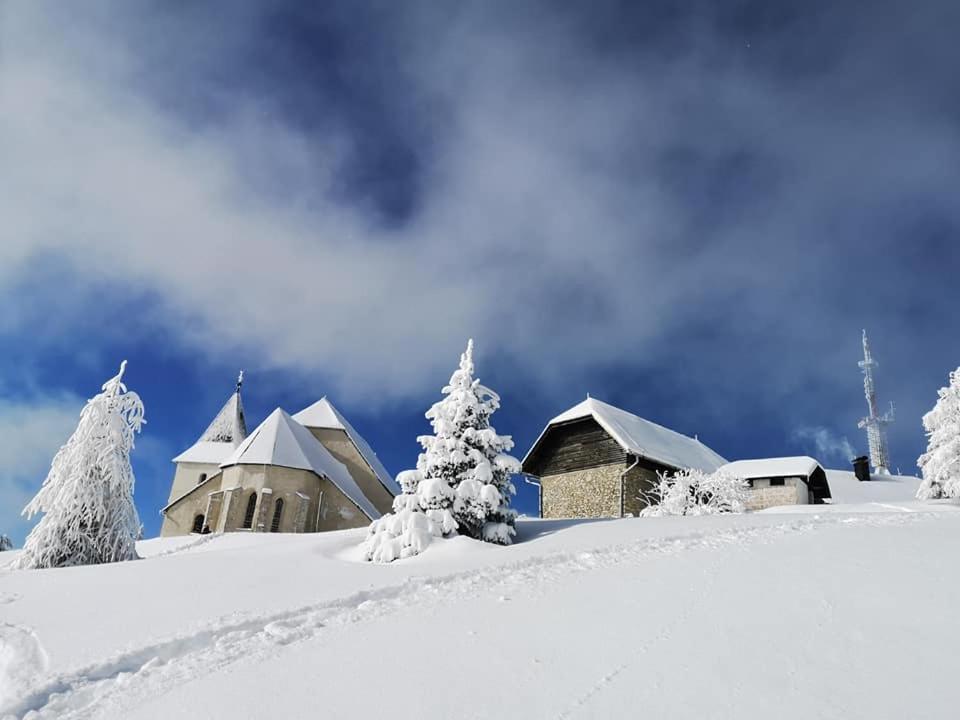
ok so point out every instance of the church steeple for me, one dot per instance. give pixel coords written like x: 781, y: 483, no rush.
x: 230, y: 425
x: 227, y: 430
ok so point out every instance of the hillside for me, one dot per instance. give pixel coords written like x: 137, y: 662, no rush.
x: 831, y: 612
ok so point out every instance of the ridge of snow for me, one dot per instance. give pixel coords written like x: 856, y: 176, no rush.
x: 641, y: 437
x: 796, y: 466
x: 281, y: 440
x: 323, y: 414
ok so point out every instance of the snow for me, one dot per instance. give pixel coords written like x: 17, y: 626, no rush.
x: 281, y: 440
x: 642, y: 437
x: 846, y: 489
x: 227, y: 430
x: 322, y: 414
x: 824, y: 614
x: 801, y: 466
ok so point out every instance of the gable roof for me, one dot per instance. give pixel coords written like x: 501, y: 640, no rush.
x: 281, y: 440
x: 322, y: 414
x: 639, y: 437
x: 228, y: 429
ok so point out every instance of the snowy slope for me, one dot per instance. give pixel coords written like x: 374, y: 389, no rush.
x: 822, y: 615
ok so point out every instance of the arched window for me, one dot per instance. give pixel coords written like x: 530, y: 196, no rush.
x: 277, y: 512
x: 203, y: 479
x: 198, y: 524
x: 251, y: 508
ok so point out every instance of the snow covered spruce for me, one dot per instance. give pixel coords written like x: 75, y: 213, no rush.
x: 940, y: 464
x: 462, y: 481
x: 694, y: 492
x: 5, y: 543
x: 87, y: 498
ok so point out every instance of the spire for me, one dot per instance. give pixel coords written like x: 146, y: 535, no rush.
x: 229, y: 425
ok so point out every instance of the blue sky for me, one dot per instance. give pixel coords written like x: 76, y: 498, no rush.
x: 688, y: 209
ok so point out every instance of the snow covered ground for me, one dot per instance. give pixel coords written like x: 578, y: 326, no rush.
x: 827, y: 612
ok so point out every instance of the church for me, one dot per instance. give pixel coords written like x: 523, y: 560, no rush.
x: 309, y: 472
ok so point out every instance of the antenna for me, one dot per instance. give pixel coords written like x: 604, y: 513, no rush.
x: 240, y: 381
x: 875, y: 424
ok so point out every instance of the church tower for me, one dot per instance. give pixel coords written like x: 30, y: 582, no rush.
x: 202, y: 460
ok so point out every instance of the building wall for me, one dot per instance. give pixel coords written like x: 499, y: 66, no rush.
x: 187, y: 476
x: 231, y: 492
x: 579, y: 445
x: 638, y: 486
x: 178, y: 519
x: 763, y: 495
x: 339, y: 444
x: 588, y: 493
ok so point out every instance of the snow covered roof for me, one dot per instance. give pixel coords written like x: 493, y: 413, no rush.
x: 640, y: 437
x: 780, y: 467
x: 281, y: 440
x: 228, y: 429
x: 847, y: 489
x: 800, y: 466
x: 322, y: 414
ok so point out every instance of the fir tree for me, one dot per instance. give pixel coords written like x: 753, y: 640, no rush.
x: 462, y: 481
x: 5, y: 543
x: 940, y: 464
x: 87, y: 498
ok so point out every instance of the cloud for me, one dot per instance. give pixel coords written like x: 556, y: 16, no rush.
x: 30, y: 434
x: 827, y: 445
x: 579, y: 207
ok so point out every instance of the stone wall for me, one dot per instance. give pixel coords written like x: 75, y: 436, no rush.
x: 339, y: 444
x: 178, y: 519
x: 231, y: 491
x: 763, y: 495
x: 638, y: 485
x: 187, y: 476
x: 590, y: 493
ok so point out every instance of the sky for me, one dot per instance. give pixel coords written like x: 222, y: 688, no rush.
x: 687, y: 209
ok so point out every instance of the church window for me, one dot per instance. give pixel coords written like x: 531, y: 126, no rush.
x: 198, y: 524
x: 251, y: 507
x: 277, y: 512
x: 203, y: 479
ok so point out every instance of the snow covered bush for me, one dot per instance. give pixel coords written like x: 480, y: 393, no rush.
x: 462, y: 481
x: 940, y: 464
x: 87, y: 498
x: 5, y: 543
x: 694, y: 492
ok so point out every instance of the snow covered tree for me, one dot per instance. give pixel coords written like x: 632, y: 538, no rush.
x: 940, y: 464
x: 463, y: 478
x: 694, y: 492
x: 5, y: 543
x: 87, y: 497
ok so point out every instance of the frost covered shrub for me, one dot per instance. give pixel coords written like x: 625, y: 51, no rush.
x: 694, y: 492
x: 5, y: 543
x: 940, y: 464
x: 462, y: 480
x: 87, y: 498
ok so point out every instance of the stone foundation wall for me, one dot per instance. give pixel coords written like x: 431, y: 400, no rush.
x: 637, y: 488
x: 590, y: 493
x: 763, y: 495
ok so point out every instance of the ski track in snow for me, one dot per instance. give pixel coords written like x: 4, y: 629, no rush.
x: 128, y: 678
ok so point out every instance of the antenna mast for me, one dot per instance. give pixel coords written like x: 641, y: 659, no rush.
x: 875, y: 423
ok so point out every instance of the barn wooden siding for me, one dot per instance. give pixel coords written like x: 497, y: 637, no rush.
x: 576, y: 445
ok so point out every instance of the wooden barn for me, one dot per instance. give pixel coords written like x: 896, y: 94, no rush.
x: 596, y: 460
